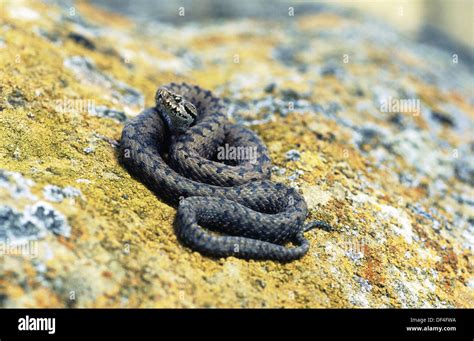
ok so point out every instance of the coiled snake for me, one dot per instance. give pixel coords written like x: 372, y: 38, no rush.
x: 225, y: 207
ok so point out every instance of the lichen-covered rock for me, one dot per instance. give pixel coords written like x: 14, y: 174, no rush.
x: 324, y: 93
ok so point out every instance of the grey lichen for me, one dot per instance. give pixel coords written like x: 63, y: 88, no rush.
x: 34, y: 223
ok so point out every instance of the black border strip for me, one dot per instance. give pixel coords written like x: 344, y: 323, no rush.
x: 245, y: 323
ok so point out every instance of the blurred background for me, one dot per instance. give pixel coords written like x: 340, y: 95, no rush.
x: 447, y: 24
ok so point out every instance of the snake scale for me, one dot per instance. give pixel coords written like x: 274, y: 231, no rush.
x: 224, y: 207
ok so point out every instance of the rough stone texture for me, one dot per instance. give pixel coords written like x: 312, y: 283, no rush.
x: 397, y: 186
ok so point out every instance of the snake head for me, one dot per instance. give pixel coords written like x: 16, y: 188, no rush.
x: 177, y: 112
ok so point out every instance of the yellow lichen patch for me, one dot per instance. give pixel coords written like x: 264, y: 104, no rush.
x: 101, y: 16
x: 321, y: 22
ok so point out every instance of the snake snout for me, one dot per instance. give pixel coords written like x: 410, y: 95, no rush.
x: 178, y: 113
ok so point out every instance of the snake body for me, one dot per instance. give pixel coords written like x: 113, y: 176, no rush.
x: 225, y: 207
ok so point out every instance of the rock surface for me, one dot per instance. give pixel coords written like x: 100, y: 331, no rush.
x: 396, y: 185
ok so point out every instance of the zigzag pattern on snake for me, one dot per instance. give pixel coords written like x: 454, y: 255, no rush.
x: 225, y: 207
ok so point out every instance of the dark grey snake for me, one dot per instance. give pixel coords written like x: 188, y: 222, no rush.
x: 226, y: 207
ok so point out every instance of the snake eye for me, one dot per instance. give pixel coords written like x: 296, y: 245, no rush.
x: 177, y: 99
x: 190, y: 110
